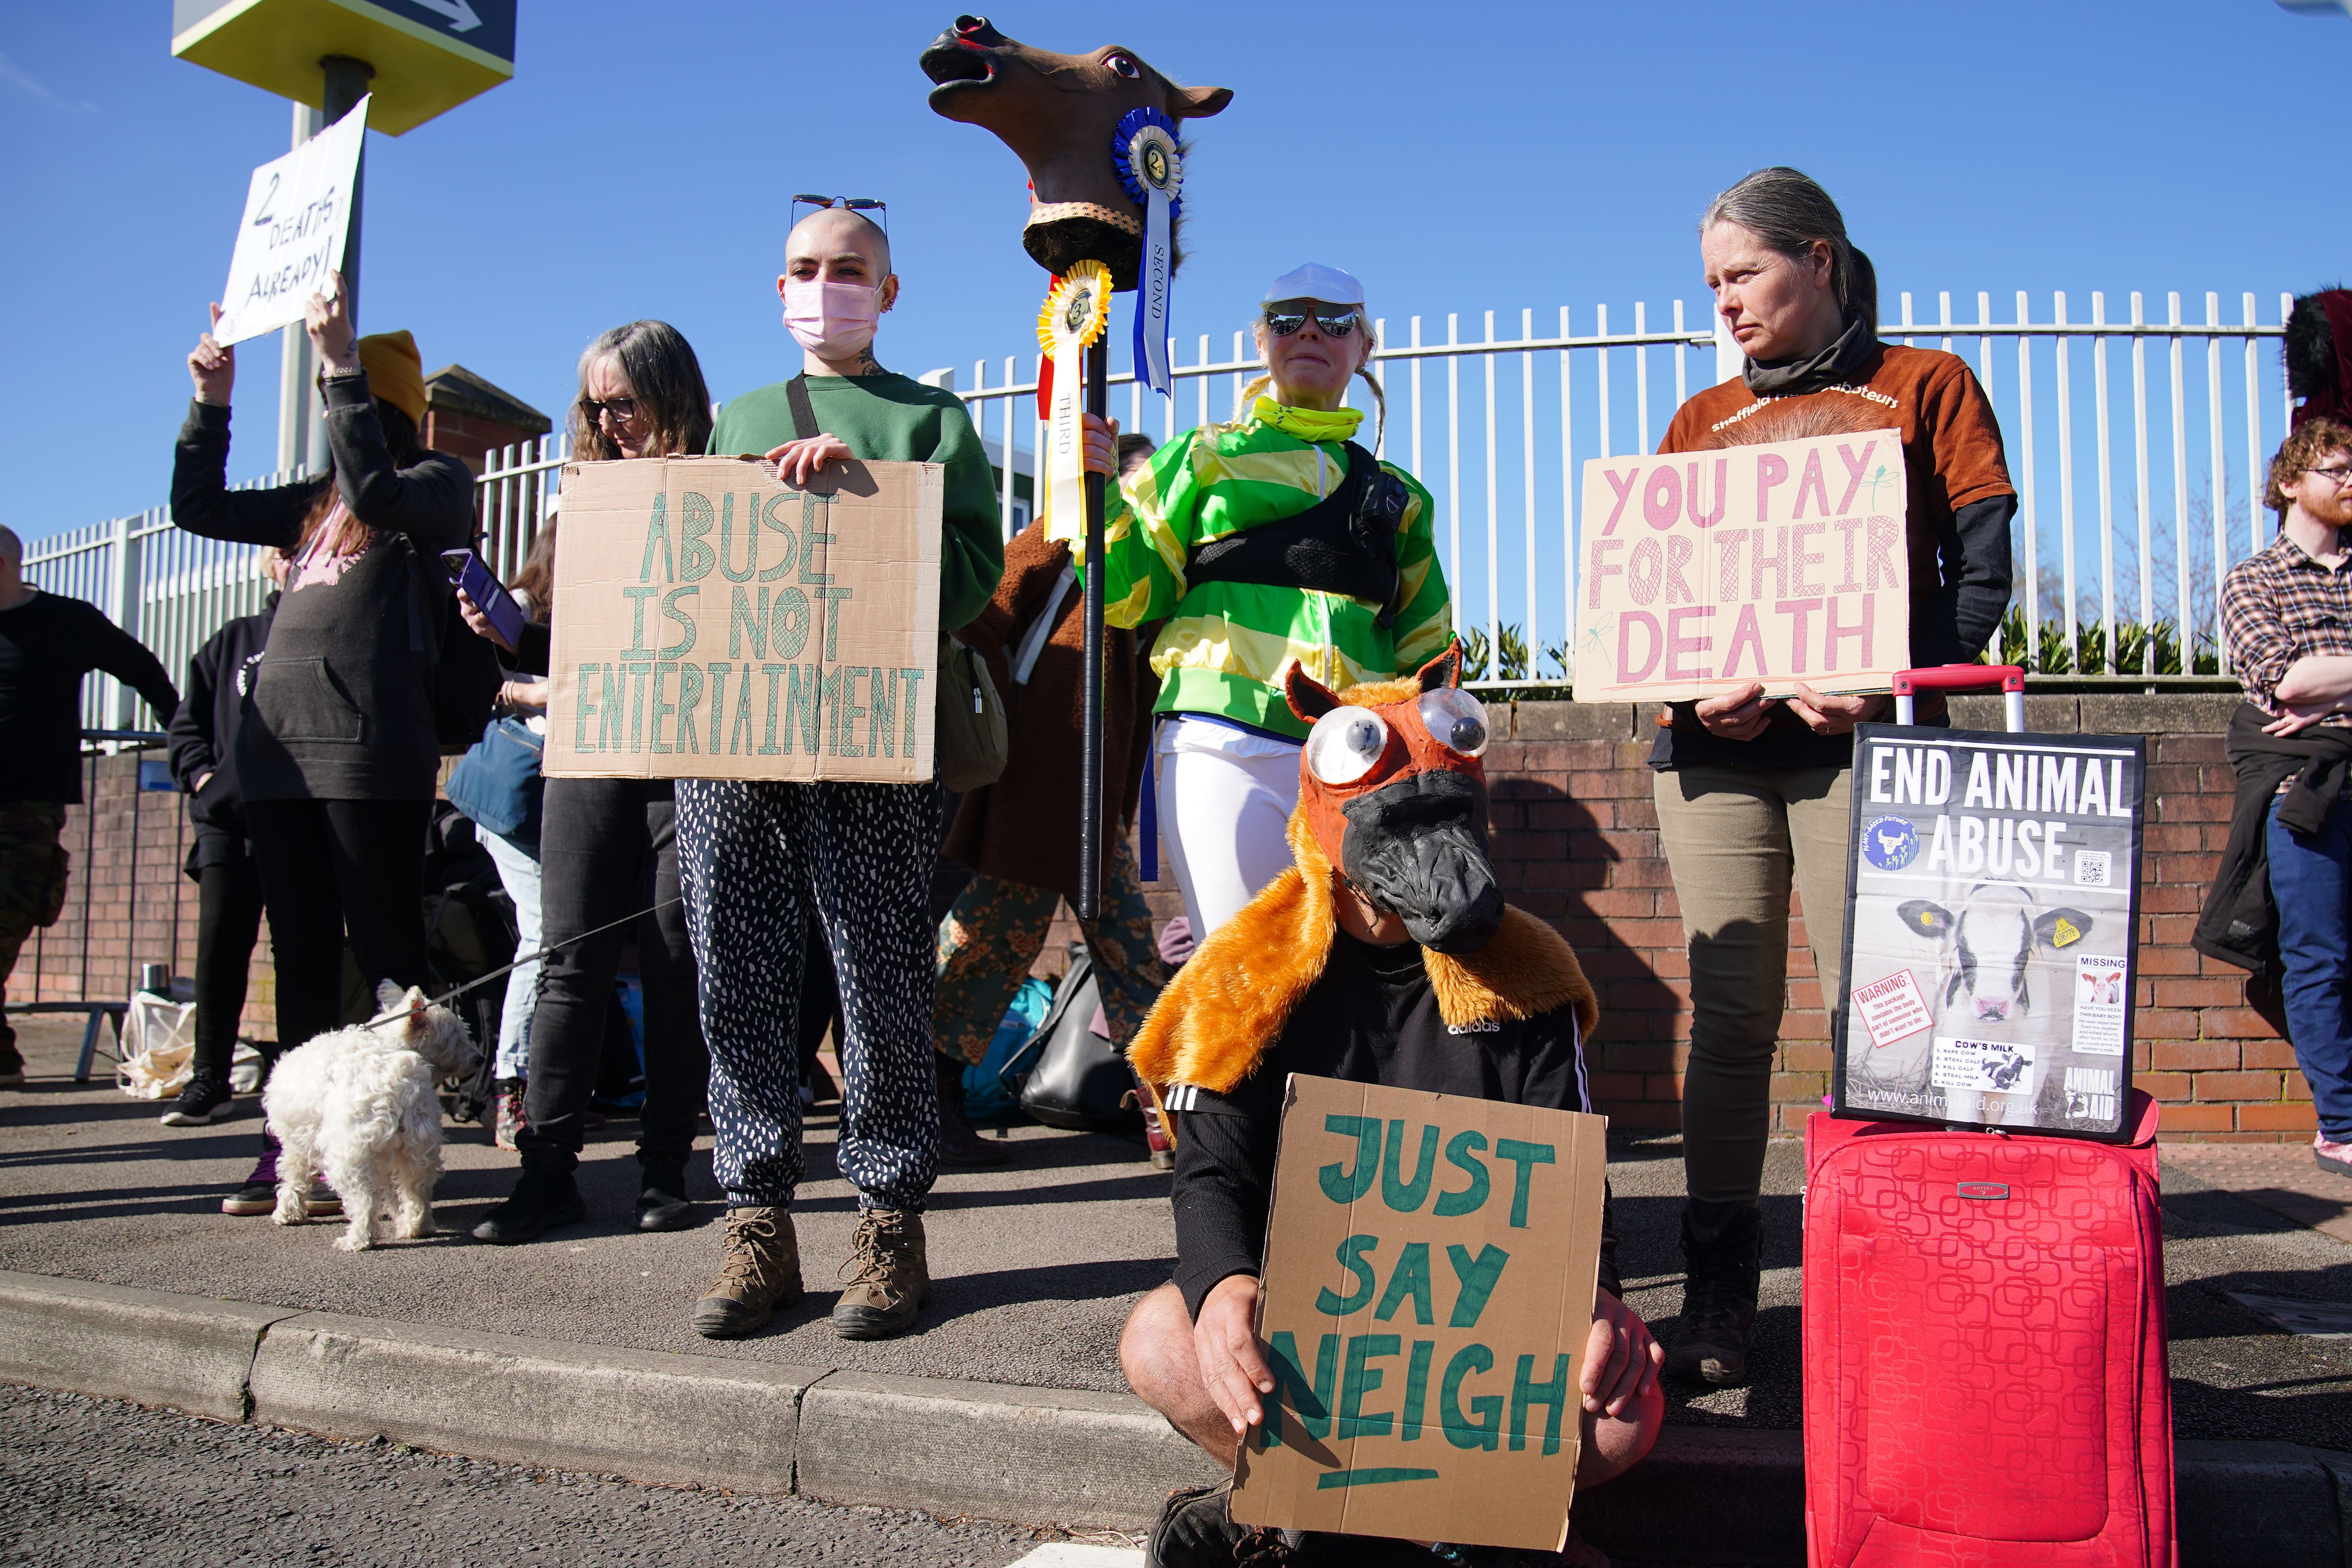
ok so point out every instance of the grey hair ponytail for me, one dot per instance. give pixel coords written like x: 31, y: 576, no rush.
x: 1788, y: 210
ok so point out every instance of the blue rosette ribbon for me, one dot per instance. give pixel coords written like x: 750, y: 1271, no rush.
x: 1151, y: 167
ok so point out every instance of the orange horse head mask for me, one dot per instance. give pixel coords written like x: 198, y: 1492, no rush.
x: 1394, y: 793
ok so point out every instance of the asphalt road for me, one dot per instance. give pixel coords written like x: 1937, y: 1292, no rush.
x: 89, y: 1481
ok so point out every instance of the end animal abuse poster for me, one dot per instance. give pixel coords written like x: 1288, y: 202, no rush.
x: 1992, y: 897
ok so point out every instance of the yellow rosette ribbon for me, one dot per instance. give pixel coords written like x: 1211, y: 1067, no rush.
x: 1076, y: 314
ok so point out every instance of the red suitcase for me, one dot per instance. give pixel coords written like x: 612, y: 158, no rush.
x: 1984, y: 1349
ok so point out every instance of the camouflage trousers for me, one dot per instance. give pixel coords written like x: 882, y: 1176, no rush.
x: 995, y: 933
x: 33, y: 873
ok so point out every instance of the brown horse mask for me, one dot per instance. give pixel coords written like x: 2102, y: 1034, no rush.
x: 1391, y: 787
x: 1057, y: 113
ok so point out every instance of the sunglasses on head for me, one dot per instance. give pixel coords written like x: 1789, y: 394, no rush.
x: 1283, y: 317
x: 855, y: 204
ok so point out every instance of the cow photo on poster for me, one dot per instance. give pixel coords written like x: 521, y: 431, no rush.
x: 1994, y: 890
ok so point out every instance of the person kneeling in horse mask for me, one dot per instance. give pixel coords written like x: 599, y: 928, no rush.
x: 1386, y: 956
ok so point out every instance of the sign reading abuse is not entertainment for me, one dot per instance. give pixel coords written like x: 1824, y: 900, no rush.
x: 1786, y: 562
x: 1430, y: 1267
x: 719, y: 623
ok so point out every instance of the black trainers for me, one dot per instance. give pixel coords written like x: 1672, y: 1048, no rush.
x: 542, y: 1201
x: 12, y: 1068
x: 203, y: 1101
x: 257, y: 1194
x: 1722, y: 1253
x: 1194, y: 1530
x: 959, y: 1142
x: 661, y: 1196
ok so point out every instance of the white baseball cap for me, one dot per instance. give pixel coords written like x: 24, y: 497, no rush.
x: 1316, y: 281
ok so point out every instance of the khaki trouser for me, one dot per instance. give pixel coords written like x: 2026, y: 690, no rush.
x: 1733, y: 835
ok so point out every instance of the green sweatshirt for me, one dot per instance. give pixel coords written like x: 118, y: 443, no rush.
x: 888, y: 418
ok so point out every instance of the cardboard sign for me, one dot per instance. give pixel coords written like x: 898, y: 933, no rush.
x: 1430, y: 1267
x: 298, y: 214
x: 1993, y: 893
x: 1703, y: 570
x: 716, y: 624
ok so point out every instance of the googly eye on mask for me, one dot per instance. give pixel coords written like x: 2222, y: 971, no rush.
x: 1345, y: 745
x: 1456, y: 719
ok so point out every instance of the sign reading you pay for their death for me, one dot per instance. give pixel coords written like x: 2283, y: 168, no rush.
x: 1429, y: 1277
x: 297, y: 213
x: 718, y: 623
x: 1700, y: 572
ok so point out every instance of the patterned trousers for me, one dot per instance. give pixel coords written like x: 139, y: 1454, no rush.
x: 997, y: 929
x: 756, y: 863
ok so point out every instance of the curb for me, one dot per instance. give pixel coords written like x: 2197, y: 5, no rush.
x: 1028, y: 1455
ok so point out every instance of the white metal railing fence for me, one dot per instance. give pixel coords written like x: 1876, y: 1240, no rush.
x: 2164, y: 501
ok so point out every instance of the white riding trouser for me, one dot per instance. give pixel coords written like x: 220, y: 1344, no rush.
x: 1225, y: 797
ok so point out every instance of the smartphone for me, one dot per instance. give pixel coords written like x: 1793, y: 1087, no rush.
x: 468, y: 571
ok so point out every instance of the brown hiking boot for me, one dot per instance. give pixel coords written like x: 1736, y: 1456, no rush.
x: 762, y: 1272
x: 889, y: 1283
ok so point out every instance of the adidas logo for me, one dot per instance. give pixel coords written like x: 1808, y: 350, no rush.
x: 1482, y: 1026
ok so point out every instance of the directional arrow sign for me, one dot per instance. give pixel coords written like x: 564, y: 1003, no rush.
x: 429, y: 55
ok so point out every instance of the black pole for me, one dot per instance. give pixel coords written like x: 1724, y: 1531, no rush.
x: 347, y: 83
x: 1090, y: 771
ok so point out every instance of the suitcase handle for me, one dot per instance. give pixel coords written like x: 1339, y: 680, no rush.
x: 2010, y: 677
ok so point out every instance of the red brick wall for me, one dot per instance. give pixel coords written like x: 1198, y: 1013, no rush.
x: 1576, y: 837
x: 1576, y: 840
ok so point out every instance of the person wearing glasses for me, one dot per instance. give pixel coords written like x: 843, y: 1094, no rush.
x: 1752, y: 794
x: 1272, y: 540
x: 606, y: 846
x: 2287, y: 614
x: 761, y: 860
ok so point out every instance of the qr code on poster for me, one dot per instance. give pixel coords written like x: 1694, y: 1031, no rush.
x: 2090, y: 868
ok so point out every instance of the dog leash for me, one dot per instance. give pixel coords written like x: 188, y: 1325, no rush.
x: 448, y: 997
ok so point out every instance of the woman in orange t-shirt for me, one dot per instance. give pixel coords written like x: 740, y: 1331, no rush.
x: 1752, y: 792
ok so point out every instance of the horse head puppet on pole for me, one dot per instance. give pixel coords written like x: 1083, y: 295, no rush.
x: 1391, y: 787
x: 1058, y: 114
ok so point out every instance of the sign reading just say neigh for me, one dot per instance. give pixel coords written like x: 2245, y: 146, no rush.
x: 1700, y: 572
x: 1430, y: 1266
x: 714, y: 623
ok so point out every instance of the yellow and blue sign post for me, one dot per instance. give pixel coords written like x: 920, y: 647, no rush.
x: 413, y: 60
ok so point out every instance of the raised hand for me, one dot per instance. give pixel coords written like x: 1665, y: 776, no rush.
x: 212, y: 366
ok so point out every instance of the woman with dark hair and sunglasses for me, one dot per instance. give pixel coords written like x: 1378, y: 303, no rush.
x: 338, y: 756
x: 1218, y: 526
x: 607, y: 847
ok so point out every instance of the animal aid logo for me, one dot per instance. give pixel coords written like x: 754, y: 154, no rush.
x: 1890, y: 843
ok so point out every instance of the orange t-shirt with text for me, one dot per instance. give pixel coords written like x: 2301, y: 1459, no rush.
x: 1952, y: 453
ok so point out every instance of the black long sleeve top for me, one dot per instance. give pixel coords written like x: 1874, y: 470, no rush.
x: 47, y: 644
x: 1371, y: 1018
x: 341, y: 708
x: 202, y: 737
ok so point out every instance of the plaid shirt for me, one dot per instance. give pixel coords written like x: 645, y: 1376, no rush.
x: 2277, y: 606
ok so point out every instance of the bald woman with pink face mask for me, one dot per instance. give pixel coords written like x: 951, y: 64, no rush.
x: 764, y: 864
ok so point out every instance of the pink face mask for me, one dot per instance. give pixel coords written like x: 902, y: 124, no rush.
x: 832, y: 321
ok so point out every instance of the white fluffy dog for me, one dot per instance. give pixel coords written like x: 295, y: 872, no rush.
x: 359, y: 1107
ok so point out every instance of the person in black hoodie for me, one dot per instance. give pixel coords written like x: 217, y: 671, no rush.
x: 202, y: 743
x: 337, y: 759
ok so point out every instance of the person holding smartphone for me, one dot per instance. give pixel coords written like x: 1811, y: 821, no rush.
x: 606, y: 846
x: 338, y: 758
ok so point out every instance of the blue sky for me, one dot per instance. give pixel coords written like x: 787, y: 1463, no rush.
x: 640, y: 163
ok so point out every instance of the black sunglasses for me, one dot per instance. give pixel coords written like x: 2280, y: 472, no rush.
x: 621, y: 409
x: 855, y: 204
x: 1283, y: 317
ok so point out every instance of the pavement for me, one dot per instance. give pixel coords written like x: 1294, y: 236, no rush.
x: 1035, y: 1265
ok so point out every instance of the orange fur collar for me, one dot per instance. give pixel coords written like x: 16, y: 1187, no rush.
x: 1227, y: 1006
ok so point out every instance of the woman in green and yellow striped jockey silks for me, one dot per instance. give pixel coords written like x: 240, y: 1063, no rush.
x: 1271, y: 539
